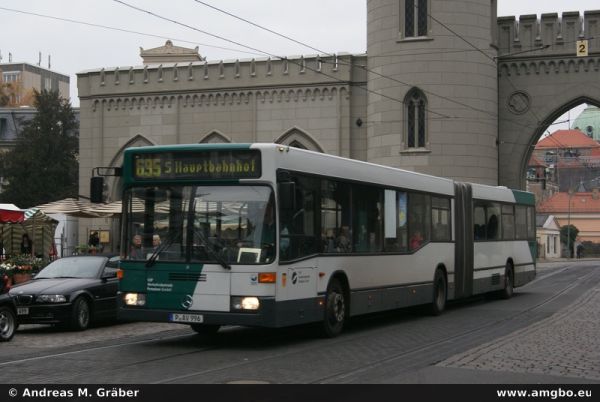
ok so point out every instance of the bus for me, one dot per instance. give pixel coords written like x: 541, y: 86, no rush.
x: 271, y: 235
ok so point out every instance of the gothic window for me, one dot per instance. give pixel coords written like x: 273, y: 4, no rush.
x: 297, y: 144
x: 415, y: 17
x: 297, y: 138
x: 215, y: 137
x: 415, y: 105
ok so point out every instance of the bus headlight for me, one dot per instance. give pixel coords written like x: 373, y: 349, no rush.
x: 245, y: 303
x: 135, y: 299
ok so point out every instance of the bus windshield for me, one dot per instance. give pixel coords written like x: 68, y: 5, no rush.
x: 206, y: 224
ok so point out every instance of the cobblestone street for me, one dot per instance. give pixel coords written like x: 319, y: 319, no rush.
x: 565, y: 344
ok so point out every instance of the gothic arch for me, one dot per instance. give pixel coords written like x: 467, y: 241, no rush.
x: 215, y: 137
x: 298, y: 138
x: 552, y: 116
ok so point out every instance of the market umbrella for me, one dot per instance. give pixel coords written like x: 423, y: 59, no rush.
x: 69, y: 206
x: 10, y: 213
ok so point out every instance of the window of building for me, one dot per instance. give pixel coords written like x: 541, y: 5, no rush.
x: 415, y: 18
x: 415, y: 105
x: 11, y: 76
x: 3, y: 127
x: 48, y: 84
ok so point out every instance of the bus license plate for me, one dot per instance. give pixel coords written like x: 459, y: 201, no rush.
x: 190, y: 318
x: 22, y: 310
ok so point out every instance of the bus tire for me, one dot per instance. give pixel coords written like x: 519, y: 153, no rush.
x: 8, y: 323
x: 206, y: 331
x: 81, y: 314
x: 440, y: 293
x: 509, y: 282
x: 336, y: 309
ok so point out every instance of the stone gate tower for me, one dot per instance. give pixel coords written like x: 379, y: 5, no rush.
x: 433, y: 100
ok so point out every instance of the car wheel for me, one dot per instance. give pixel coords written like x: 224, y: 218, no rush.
x: 80, y: 315
x: 336, y: 309
x: 8, y: 323
x: 440, y: 293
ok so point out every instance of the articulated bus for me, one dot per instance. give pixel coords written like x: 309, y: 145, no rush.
x: 270, y: 235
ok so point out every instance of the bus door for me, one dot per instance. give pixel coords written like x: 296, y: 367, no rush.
x: 463, y: 264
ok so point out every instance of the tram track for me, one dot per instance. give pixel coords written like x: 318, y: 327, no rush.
x: 312, y: 347
x: 341, y: 375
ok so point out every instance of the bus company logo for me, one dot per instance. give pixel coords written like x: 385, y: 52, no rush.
x: 187, y: 302
x: 294, y: 278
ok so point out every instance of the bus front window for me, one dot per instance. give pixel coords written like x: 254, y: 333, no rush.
x: 205, y: 224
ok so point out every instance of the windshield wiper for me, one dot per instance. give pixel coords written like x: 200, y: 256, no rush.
x: 163, y: 246
x: 213, y: 253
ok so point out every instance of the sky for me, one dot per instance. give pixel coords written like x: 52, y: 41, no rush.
x: 336, y: 26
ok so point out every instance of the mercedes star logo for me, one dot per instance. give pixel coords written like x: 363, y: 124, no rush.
x: 187, y: 302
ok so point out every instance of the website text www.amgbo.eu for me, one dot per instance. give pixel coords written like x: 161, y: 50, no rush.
x: 544, y: 393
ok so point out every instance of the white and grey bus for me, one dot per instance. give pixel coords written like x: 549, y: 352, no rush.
x: 271, y: 235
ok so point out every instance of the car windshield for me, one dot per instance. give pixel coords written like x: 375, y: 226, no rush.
x: 73, y: 267
x: 208, y: 224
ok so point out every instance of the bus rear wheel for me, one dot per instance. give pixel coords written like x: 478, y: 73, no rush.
x: 440, y: 293
x: 335, y: 309
x: 509, y: 283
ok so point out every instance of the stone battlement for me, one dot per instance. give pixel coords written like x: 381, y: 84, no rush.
x: 221, y: 75
x: 551, y: 35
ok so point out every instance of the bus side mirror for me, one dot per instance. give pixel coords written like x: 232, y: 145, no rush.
x: 96, y: 189
x: 287, y: 195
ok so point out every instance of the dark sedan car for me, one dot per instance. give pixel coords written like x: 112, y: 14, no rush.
x: 8, y: 318
x: 70, y: 292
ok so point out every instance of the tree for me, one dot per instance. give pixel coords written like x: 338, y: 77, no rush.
x: 568, y: 235
x: 43, y: 166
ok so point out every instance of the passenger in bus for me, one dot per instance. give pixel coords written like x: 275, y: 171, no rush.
x: 343, y: 243
x: 135, y: 251
x: 155, y: 242
x: 416, y: 240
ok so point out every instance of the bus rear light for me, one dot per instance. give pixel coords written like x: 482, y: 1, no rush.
x: 120, y: 274
x: 135, y: 299
x: 267, y: 277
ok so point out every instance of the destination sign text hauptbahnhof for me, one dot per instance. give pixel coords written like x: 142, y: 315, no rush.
x: 211, y: 165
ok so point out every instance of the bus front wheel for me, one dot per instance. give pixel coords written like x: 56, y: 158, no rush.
x: 335, y: 309
x: 206, y: 331
x: 440, y: 293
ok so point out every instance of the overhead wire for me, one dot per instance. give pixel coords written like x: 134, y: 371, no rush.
x: 268, y: 54
x: 73, y: 21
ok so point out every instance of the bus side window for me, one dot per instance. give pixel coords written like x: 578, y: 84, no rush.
x: 479, y: 222
x: 297, y: 228
x: 419, y: 220
x: 508, y: 222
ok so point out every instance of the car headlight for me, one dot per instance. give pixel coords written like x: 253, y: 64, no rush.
x: 134, y: 299
x: 51, y: 299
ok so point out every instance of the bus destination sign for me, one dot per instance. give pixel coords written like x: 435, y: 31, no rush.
x: 210, y: 165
